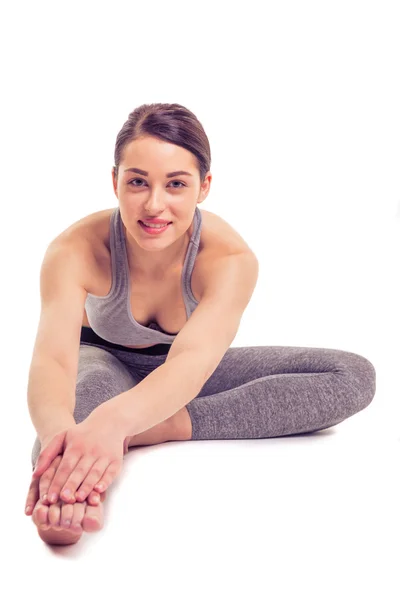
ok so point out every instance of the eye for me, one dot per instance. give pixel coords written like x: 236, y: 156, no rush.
x: 174, y: 181
x: 136, y: 179
x: 181, y: 182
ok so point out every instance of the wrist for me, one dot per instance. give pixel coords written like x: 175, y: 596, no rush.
x: 52, y: 430
x: 108, y: 413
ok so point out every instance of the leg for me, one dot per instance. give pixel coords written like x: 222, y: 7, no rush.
x: 101, y: 376
x: 176, y: 428
x: 271, y: 391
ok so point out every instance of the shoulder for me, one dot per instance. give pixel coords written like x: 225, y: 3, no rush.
x: 224, y: 259
x: 85, y: 240
x: 219, y: 236
x: 90, y: 234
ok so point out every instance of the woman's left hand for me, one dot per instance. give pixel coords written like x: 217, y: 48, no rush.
x: 93, y: 455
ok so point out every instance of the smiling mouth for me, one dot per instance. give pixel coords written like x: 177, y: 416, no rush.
x: 157, y: 227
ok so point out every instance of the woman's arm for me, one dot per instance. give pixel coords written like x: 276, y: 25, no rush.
x: 51, y: 397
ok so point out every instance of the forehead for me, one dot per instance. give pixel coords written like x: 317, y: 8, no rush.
x: 152, y: 151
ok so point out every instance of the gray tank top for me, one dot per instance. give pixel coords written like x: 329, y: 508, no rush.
x: 110, y: 316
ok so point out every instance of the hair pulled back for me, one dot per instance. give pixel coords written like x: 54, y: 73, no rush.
x: 171, y: 123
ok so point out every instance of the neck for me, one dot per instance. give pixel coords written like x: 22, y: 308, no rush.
x: 153, y: 265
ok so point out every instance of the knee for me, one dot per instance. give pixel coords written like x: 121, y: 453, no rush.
x: 362, y: 379
x: 98, y: 383
x: 91, y: 390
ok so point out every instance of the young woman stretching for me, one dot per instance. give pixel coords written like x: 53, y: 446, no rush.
x: 140, y: 305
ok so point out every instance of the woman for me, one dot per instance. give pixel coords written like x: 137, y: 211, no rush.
x: 162, y: 287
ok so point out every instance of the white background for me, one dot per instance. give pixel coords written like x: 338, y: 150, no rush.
x: 300, y: 102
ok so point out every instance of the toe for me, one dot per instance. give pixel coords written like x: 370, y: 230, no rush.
x: 67, y: 511
x: 53, y: 515
x: 77, y: 516
x: 93, y: 519
x: 39, y: 515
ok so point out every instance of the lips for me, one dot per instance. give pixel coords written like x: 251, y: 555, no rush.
x: 155, y: 222
x: 154, y: 229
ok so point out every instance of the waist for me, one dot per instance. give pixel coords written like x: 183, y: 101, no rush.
x: 89, y: 336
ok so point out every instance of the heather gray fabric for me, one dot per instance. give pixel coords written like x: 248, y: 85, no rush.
x: 255, y: 392
x: 110, y: 316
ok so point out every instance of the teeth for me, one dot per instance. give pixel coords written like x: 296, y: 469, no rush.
x: 156, y: 226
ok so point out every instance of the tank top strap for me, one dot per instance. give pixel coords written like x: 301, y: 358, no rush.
x: 117, y: 247
x: 188, y: 265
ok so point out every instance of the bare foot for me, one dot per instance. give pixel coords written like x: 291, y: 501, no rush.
x: 52, y: 520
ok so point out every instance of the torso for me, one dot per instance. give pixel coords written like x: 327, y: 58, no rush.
x: 161, y: 300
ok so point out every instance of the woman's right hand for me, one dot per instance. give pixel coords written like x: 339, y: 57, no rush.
x: 51, y: 446
x: 38, y: 486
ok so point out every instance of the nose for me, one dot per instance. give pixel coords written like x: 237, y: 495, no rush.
x: 154, y: 204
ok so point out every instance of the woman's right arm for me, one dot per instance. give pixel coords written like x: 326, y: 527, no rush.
x: 54, y: 366
x: 51, y: 397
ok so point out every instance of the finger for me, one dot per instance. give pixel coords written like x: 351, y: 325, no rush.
x: 93, y: 499
x: 95, y: 474
x: 32, y: 497
x: 67, y: 491
x: 47, y: 478
x: 110, y: 474
x: 69, y: 462
x: 81, y: 471
x: 49, y: 453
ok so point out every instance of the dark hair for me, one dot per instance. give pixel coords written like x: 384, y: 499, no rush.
x: 168, y: 122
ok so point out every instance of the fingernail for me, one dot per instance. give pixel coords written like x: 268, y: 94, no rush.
x: 67, y: 494
x: 53, y: 497
x: 28, y: 508
x: 44, y: 498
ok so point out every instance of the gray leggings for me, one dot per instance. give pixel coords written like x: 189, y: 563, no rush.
x: 255, y: 392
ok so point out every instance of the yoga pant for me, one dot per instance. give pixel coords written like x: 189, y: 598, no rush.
x: 255, y: 392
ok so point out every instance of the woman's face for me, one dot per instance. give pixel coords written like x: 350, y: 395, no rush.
x: 154, y: 192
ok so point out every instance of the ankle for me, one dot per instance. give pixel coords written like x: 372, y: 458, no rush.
x: 176, y: 428
x: 182, y: 425
x: 162, y: 432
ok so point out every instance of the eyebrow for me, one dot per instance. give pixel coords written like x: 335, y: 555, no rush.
x: 173, y: 174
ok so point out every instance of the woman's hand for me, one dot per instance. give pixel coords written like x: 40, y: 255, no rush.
x: 38, y: 488
x: 92, y: 457
x: 50, y: 447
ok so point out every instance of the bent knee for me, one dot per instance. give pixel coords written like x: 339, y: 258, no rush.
x: 361, y: 379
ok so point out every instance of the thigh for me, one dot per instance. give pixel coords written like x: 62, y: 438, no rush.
x: 101, y: 376
x: 242, y: 365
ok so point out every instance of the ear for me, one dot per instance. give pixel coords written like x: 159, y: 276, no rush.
x: 205, y: 186
x: 114, y: 179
